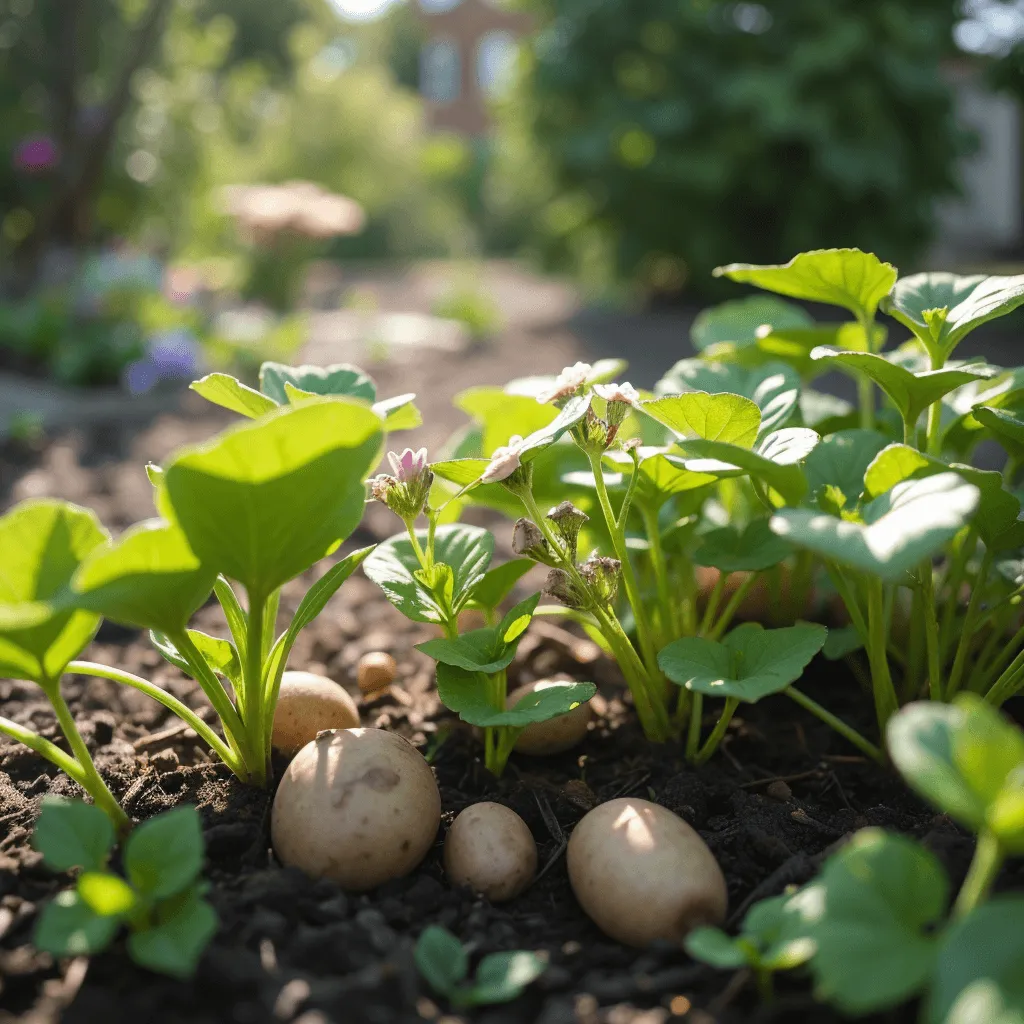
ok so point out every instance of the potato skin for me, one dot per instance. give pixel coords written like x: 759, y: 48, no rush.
x: 375, y: 670
x: 309, y: 703
x: 359, y: 806
x: 491, y: 850
x: 641, y: 873
x: 556, y: 735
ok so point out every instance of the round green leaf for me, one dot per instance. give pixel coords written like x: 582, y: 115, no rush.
x: 72, y: 834
x: 164, y: 855
x: 440, y: 959
x: 752, y: 549
x: 42, y: 543
x: 749, y: 663
x: 106, y: 894
x: 263, y: 502
x: 840, y: 461
x: 712, y: 946
x: 175, y: 943
x: 501, y: 977
x: 224, y: 390
x: 740, y: 321
x: 68, y: 926
x: 338, y: 381
x: 721, y: 417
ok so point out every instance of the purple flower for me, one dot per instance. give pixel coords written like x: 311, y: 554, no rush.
x: 174, y: 353
x: 409, y: 466
x: 140, y: 376
x: 35, y: 154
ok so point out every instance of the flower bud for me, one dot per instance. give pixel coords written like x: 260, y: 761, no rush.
x: 528, y: 540
x: 568, y: 520
x: 406, y: 493
x: 621, y: 398
x: 566, y: 384
x: 560, y: 585
x: 602, y: 576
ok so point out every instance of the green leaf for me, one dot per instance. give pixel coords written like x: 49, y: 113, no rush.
x: 340, y: 381
x: 942, y: 309
x: 749, y: 663
x: 466, y: 693
x: 440, y: 959
x: 165, y: 854
x: 479, y: 650
x: 1005, y: 424
x: 712, y: 946
x: 393, y: 564
x: 724, y: 418
x: 224, y: 390
x: 967, y: 760
x: 501, y: 977
x: 741, y: 321
x: 841, y: 642
x: 68, y: 926
x: 517, y: 620
x: 911, y: 393
x: 221, y: 655
x: 497, y: 583
x: 263, y: 502
x: 778, y: 934
x: 840, y: 461
x: 106, y: 894
x: 775, y: 462
x: 900, y: 529
x: 871, y: 914
x: 751, y: 549
x: 184, y: 928
x: 147, y: 578
x: 979, y: 974
x: 399, y: 413
x: 855, y: 280
x: 316, y: 598
x: 71, y: 834
x: 42, y: 543
x: 773, y: 387
x: 501, y: 415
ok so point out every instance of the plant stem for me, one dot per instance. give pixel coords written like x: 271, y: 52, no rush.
x: 1007, y: 683
x: 91, y: 781
x: 988, y: 859
x: 660, y: 568
x: 183, y: 711
x: 931, y: 630
x: 617, y: 531
x: 886, y: 704
x: 42, y: 746
x: 844, y: 730
x: 1002, y: 659
x: 962, y: 553
x: 849, y: 596
x: 252, y: 681
x: 714, y: 600
x: 732, y: 607
x: 967, y: 630
x: 693, y: 734
x: 711, y: 743
x: 421, y: 555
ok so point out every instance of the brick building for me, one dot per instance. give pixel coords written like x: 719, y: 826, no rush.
x: 466, y: 58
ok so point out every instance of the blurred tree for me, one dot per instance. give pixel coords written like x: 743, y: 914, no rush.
x: 690, y: 133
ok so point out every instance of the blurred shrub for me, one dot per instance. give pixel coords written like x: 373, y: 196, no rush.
x: 682, y: 134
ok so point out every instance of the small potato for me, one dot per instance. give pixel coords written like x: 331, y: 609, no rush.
x: 641, y: 873
x: 308, y: 704
x: 359, y: 806
x: 375, y: 670
x: 556, y: 734
x: 491, y: 850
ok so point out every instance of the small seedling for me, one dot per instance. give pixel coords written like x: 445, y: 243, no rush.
x: 500, y: 977
x: 160, y: 898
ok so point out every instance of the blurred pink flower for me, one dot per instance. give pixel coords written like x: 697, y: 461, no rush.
x: 35, y: 154
x: 408, y: 466
x: 504, y: 461
x: 567, y: 383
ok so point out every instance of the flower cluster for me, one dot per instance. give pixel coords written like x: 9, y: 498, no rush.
x: 406, y: 492
x: 567, y: 383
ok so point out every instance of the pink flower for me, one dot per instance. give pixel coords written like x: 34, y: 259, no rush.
x: 617, y: 393
x: 504, y: 461
x: 408, y: 466
x: 35, y: 154
x: 567, y: 383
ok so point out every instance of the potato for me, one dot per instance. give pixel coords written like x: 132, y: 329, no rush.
x: 556, y: 734
x: 359, y: 806
x: 491, y: 850
x: 308, y: 704
x: 641, y: 873
x: 375, y: 670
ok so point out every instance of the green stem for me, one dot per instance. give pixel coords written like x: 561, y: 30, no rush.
x: 866, y: 401
x: 967, y: 630
x: 252, y: 681
x: 844, y: 730
x: 91, y: 781
x: 183, y: 711
x: 660, y: 568
x: 1007, y: 683
x: 988, y: 859
x: 711, y: 743
x: 714, y: 600
x: 932, y: 445
x: 421, y: 555
x: 732, y: 607
x: 693, y: 734
x: 849, y: 596
x: 886, y: 704
x: 65, y: 762
x: 643, y: 627
x: 996, y: 663
x: 962, y: 553
x: 931, y: 630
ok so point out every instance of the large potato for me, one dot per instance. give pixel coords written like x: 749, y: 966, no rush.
x: 307, y: 705
x: 641, y: 873
x: 357, y: 805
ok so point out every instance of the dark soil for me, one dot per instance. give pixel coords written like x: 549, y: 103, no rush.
x: 782, y: 792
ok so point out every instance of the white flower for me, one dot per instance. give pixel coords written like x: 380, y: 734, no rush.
x: 504, y: 461
x: 567, y: 383
x: 618, y: 393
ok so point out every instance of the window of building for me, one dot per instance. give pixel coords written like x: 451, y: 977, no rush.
x: 495, y: 61
x: 440, y: 71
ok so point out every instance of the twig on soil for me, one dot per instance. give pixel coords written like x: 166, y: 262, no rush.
x: 180, y: 729
x: 799, y: 777
x: 630, y: 786
x: 730, y: 992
